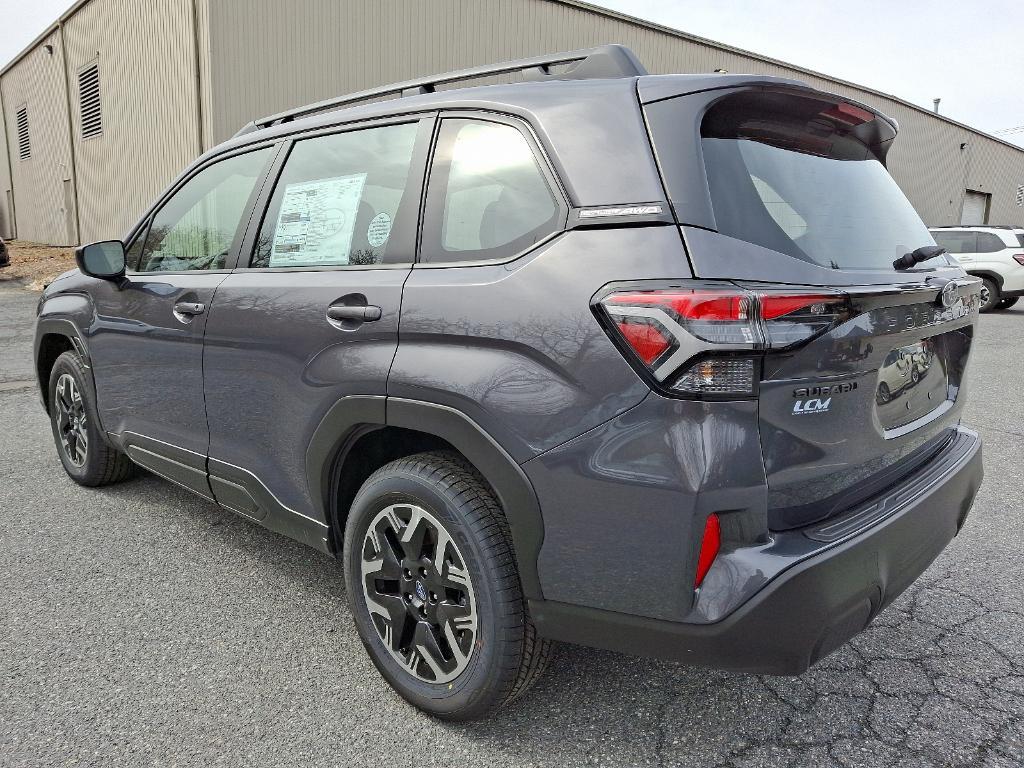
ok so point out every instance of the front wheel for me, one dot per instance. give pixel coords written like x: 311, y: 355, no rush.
x: 432, y: 582
x: 87, y: 457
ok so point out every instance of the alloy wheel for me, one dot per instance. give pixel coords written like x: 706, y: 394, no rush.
x: 419, y: 593
x: 986, y: 295
x: 70, y: 417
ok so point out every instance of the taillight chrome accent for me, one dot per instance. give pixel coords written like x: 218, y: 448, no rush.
x: 696, y: 338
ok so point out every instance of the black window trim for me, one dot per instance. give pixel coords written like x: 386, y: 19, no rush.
x: 544, y: 163
x: 422, y: 152
x: 229, y: 262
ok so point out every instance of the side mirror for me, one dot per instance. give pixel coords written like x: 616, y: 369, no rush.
x: 103, y: 260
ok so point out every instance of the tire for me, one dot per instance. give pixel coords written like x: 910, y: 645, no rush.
x: 1007, y: 303
x: 989, y: 295
x: 83, y: 449
x: 884, y: 395
x: 501, y: 656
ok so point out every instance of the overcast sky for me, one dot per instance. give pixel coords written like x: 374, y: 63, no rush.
x: 968, y: 52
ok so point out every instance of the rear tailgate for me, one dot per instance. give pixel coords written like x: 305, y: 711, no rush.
x: 856, y: 410
x: 786, y: 188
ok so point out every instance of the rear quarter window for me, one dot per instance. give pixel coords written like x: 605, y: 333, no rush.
x: 990, y: 243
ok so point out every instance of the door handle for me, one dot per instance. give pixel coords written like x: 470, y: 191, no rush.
x: 358, y: 313
x: 189, y: 308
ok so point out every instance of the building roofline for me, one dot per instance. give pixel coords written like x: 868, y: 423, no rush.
x: 49, y: 30
x: 651, y: 25
x: 626, y: 18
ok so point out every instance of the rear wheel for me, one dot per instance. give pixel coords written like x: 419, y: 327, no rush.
x: 989, y: 295
x: 1007, y: 303
x: 87, y: 457
x: 434, y: 589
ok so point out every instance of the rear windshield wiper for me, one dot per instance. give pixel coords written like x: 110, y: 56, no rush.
x: 925, y: 252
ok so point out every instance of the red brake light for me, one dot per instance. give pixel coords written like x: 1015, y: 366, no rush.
x: 696, y: 337
x: 849, y: 114
x: 709, y: 547
x: 1019, y: 258
x: 692, y: 304
x: 646, y: 340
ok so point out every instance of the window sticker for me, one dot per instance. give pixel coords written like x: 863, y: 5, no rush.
x: 316, y: 221
x: 379, y: 229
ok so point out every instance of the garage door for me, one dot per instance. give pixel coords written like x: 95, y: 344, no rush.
x: 975, y: 208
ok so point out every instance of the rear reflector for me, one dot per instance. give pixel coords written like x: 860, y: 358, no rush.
x: 709, y: 547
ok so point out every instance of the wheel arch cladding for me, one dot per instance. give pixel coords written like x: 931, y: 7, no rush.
x: 995, y: 277
x: 53, y: 337
x: 354, y: 418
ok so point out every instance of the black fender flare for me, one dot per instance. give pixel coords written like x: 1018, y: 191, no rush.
x: 59, y: 326
x: 351, y: 417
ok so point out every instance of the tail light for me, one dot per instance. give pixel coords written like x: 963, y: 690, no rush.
x: 1019, y: 258
x: 709, y: 546
x: 706, y: 339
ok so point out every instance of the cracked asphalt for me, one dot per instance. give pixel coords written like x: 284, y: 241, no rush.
x: 142, y: 626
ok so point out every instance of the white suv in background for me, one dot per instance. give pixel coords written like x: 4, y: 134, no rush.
x: 995, y: 254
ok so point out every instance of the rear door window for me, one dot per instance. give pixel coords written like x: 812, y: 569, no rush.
x: 488, y: 197
x: 957, y: 241
x: 337, y: 199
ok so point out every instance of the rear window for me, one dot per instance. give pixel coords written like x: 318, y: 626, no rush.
x: 792, y: 174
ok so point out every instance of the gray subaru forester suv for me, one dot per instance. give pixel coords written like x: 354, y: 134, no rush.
x: 660, y: 364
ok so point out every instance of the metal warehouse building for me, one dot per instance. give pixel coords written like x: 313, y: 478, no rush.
x: 117, y: 96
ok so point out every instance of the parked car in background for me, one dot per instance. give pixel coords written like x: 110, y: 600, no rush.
x: 5, y: 255
x: 995, y: 254
x: 526, y: 393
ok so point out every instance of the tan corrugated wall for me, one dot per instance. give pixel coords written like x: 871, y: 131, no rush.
x: 42, y: 182
x: 257, y: 57
x: 146, y: 57
x: 269, y: 55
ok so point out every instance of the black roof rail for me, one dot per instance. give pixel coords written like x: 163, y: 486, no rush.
x: 605, y: 61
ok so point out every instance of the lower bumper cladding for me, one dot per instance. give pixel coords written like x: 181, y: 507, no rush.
x: 813, y: 606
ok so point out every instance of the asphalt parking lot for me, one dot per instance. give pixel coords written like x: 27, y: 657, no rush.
x: 140, y: 625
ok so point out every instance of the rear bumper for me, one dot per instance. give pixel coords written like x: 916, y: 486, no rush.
x: 817, y: 603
